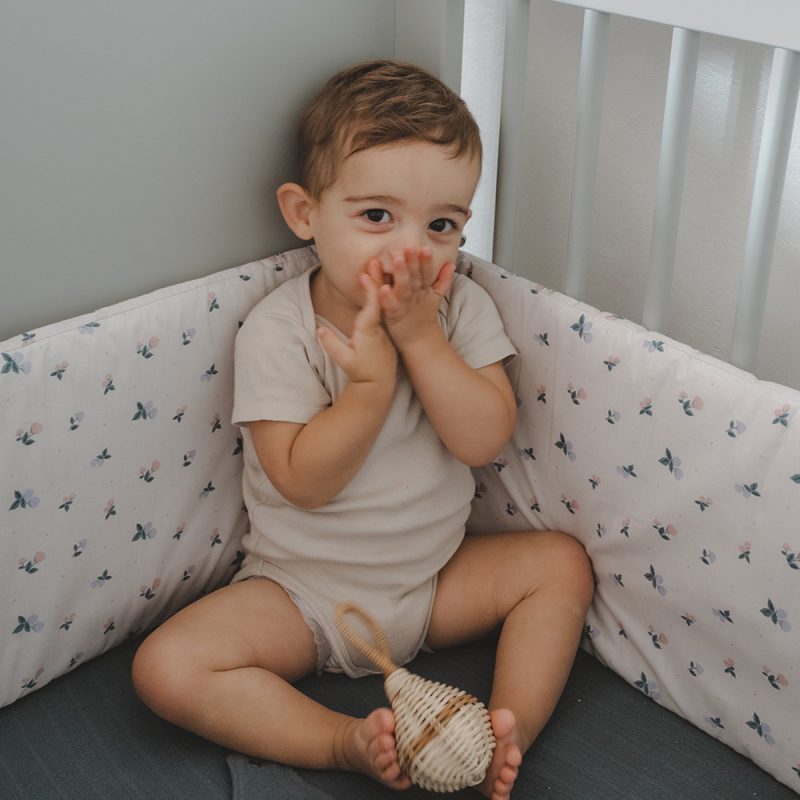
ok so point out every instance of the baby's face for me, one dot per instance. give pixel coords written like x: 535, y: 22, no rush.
x: 388, y: 198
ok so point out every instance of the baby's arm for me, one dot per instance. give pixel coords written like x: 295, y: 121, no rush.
x: 309, y: 464
x: 472, y: 410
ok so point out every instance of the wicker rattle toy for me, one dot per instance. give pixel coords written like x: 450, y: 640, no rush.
x: 444, y: 735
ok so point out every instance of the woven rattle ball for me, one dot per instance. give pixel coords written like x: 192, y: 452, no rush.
x: 444, y: 735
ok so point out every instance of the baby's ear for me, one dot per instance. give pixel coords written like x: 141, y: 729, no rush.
x: 296, y: 206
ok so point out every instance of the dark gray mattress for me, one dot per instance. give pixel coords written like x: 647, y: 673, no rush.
x: 86, y: 736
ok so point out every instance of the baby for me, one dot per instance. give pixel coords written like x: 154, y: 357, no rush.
x: 365, y: 389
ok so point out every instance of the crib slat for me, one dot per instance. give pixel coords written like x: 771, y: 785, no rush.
x: 512, y: 109
x: 671, y: 169
x: 773, y: 157
x: 587, y: 139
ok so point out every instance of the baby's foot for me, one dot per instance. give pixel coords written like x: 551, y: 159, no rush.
x: 368, y: 746
x: 506, y: 758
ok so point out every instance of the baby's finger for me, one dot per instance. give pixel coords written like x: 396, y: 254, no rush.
x: 341, y: 354
x: 444, y: 279
x: 370, y: 313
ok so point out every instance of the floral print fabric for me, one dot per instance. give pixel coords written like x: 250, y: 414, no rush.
x: 681, y: 476
x: 121, y: 491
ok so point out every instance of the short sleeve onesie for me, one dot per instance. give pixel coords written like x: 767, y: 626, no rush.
x: 382, y: 540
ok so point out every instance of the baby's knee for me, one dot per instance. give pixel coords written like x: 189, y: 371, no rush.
x: 161, y: 676
x: 572, y: 567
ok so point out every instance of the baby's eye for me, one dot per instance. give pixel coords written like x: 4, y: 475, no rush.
x: 442, y: 225
x: 377, y: 215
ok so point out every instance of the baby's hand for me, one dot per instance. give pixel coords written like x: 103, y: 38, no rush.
x: 410, y: 303
x: 369, y: 355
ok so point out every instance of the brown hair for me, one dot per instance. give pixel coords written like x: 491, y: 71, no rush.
x: 377, y: 103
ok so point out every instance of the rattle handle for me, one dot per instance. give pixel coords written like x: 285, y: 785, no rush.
x: 378, y: 653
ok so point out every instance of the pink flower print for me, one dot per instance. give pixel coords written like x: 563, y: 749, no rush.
x: 66, y: 624
x: 500, y: 464
x: 213, y: 304
x: 646, y: 407
x: 723, y: 614
x: 59, y: 370
x: 26, y: 437
x: 782, y: 415
x: 790, y: 556
x: 110, y: 509
x: 689, y: 619
x: 146, y: 350
x: 571, y: 505
x: 511, y: 509
x: 178, y: 532
x: 216, y: 424
x: 215, y: 539
x: 775, y: 681
x: 188, y: 572
x: 703, y: 503
x: 666, y: 532
x: 594, y: 481
x: 690, y: 406
x: 625, y: 530
x: 659, y: 640
x: 611, y: 362
x: 526, y: 453
x: 179, y: 414
x: 576, y: 394
x: 24, y: 499
x: 66, y: 503
x: 30, y: 683
x: 148, y: 475
x: 541, y: 395
x: 108, y: 384
x: 31, y: 565
x: 744, y: 551
x: 735, y: 428
x: 533, y: 504
x: 149, y: 592
x: 730, y: 667
x: 15, y: 364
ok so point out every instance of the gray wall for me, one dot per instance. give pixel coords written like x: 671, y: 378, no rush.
x: 141, y: 142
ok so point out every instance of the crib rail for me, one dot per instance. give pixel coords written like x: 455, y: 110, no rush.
x: 689, y: 20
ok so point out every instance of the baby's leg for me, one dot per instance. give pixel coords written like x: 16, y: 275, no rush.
x: 537, y: 586
x: 223, y: 668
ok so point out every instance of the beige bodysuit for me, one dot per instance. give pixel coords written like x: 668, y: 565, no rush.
x: 382, y: 540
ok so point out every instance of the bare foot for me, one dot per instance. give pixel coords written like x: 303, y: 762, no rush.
x: 506, y: 758
x: 368, y: 746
